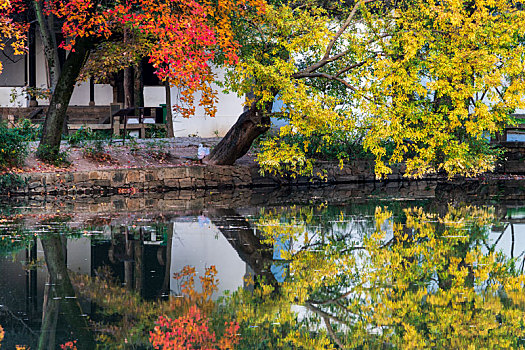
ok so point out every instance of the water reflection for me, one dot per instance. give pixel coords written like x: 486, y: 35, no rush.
x: 373, y: 275
x: 415, y: 280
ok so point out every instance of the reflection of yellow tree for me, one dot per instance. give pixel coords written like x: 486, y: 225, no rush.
x: 430, y: 284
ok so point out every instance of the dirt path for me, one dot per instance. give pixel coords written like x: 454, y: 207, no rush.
x: 137, y: 153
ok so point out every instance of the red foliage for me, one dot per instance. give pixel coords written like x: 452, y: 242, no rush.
x: 191, y: 331
x: 70, y: 345
x: 181, y: 37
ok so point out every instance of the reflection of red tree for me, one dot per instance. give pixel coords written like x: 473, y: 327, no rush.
x: 70, y: 345
x: 191, y: 330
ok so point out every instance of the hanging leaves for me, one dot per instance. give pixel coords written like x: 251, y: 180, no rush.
x: 420, y: 82
x: 13, y: 33
x: 180, y: 37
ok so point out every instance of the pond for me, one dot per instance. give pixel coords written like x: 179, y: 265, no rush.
x: 362, y: 266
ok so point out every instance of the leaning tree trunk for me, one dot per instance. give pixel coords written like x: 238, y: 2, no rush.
x: 251, y: 124
x: 49, y: 146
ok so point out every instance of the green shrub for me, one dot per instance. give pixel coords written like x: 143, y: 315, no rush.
x: 30, y: 131
x: 93, y: 148
x: 158, y: 149
x: 13, y: 147
x: 96, y: 150
x: 80, y: 135
x: 54, y: 156
x: 339, y: 145
x: 10, y: 182
x: 154, y: 131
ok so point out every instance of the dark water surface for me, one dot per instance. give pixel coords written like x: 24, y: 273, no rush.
x: 366, y: 266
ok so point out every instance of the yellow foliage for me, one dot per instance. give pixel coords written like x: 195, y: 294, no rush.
x: 430, y: 285
x: 427, y: 83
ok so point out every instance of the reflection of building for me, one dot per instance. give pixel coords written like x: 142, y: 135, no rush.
x: 509, y: 237
x: 201, y: 244
x: 136, y: 255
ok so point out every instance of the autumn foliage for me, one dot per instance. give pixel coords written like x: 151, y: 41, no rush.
x: 180, y: 37
x: 192, y: 330
x: 70, y: 345
x: 13, y: 32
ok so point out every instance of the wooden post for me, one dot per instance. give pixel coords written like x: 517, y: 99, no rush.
x: 116, y: 125
x: 10, y: 121
x: 142, y: 131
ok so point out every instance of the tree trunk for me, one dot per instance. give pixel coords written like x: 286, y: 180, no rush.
x: 128, y: 87
x: 169, y: 111
x: 250, y: 248
x: 47, y: 33
x: 138, y: 88
x: 250, y: 125
x: 50, y: 310
x: 49, y: 146
x: 64, y: 292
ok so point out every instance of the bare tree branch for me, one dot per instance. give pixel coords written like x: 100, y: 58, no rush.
x: 323, y: 313
x: 343, y: 27
x: 346, y: 69
x: 331, y: 301
x: 303, y: 74
x: 326, y: 58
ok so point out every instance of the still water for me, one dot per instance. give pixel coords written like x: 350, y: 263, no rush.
x: 381, y: 268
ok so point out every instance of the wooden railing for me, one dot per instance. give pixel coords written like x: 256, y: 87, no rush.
x: 96, y: 118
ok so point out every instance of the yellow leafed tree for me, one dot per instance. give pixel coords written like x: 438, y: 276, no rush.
x: 417, y: 281
x: 417, y: 81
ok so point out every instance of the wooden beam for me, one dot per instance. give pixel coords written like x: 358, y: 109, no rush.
x: 91, y: 126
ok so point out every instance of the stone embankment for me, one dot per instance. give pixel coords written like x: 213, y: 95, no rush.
x: 194, y: 177
x: 202, y: 177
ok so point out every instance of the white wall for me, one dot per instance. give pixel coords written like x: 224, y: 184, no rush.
x: 5, y: 97
x: 229, y: 108
x: 201, y: 244
x: 103, y: 95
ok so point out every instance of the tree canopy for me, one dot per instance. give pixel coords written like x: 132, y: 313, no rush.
x: 419, y: 82
x: 416, y: 82
x: 181, y: 38
x: 409, y: 281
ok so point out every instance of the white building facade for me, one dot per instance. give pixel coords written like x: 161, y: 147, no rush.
x: 23, y: 71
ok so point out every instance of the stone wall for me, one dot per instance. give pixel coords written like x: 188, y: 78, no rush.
x: 122, y: 181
